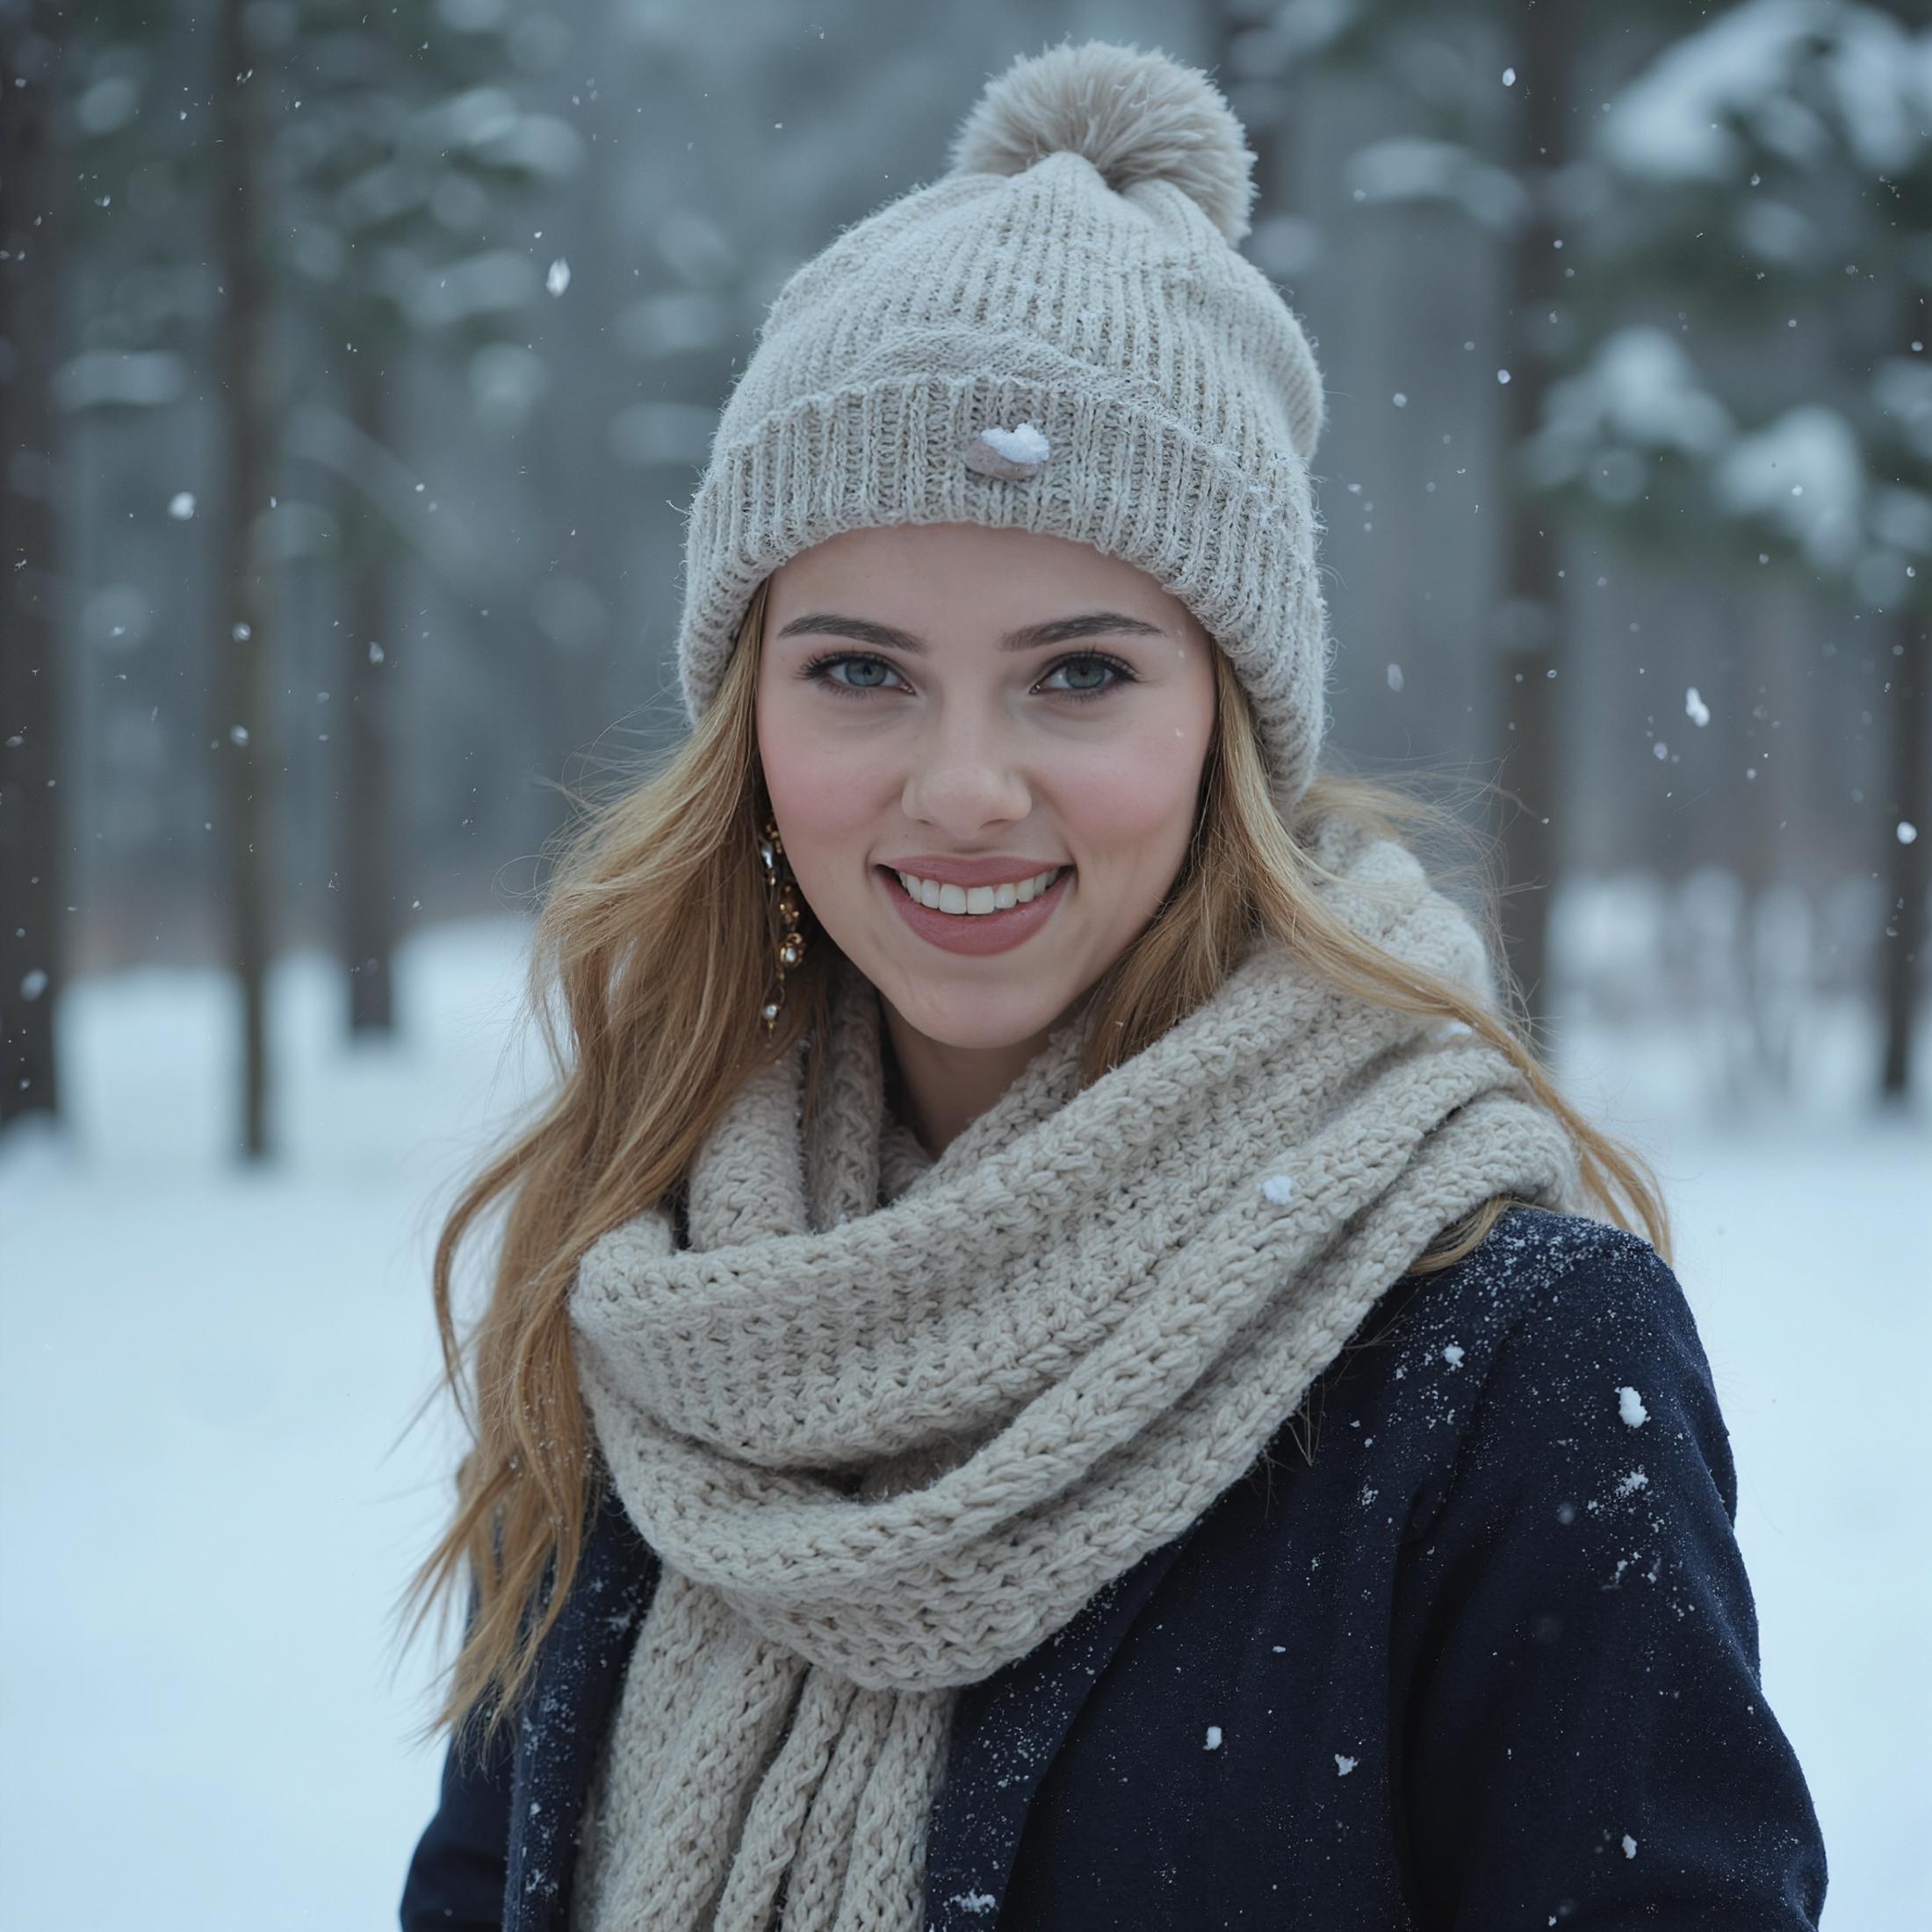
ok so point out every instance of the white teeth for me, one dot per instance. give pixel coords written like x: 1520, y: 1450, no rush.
x: 974, y: 900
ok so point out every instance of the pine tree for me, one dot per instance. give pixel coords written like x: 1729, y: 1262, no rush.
x: 403, y: 159
x: 1773, y: 178
x: 33, y: 952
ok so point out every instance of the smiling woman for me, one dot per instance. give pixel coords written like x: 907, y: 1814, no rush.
x: 959, y: 749
x: 1013, y: 1095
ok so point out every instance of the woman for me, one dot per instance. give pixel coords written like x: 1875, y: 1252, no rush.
x: 1051, y: 1364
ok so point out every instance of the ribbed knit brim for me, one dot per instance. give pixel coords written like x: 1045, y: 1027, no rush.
x: 1076, y: 349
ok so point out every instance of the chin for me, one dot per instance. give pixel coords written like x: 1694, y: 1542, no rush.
x: 975, y: 1019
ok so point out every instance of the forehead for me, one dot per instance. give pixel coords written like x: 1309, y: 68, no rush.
x: 967, y: 574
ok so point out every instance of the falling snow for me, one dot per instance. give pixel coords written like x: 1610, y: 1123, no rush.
x: 1690, y: 119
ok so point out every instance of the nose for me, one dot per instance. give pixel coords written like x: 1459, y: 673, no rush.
x: 964, y: 775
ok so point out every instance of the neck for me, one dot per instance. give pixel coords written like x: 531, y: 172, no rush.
x: 939, y: 1091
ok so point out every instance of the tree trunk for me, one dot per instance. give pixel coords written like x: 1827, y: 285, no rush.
x: 1530, y: 621
x: 31, y: 933
x: 366, y: 815
x: 1259, y: 92
x: 1906, y: 860
x: 242, y: 724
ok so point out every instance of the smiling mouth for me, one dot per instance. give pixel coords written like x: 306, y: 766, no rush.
x: 975, y: 901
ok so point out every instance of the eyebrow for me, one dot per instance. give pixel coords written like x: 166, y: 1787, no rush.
x: 1034, y: 636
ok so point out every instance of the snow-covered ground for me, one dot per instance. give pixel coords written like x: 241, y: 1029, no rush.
x: 209, y: 1497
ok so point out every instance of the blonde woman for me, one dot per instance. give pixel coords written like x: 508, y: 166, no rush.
x: 1056, y: 1360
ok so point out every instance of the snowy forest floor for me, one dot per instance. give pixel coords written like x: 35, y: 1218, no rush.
x: 211, y: 1500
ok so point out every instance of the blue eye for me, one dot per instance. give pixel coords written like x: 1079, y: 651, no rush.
x: 819, y: 670
x: 1118, y: 672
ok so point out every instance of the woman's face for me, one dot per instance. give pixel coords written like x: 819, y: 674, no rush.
x: 977, y: 707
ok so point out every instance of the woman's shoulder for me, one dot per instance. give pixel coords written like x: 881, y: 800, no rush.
x: 1538, y: 1276
x: 1558, y: 1342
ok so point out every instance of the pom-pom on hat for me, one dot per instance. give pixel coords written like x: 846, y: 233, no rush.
x: 1136, y: 117
x: 1057, y: 336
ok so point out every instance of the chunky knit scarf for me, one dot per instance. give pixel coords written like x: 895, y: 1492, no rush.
x: 889, y: 1421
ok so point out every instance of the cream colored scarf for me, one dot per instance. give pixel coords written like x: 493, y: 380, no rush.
x: 889, y: 1421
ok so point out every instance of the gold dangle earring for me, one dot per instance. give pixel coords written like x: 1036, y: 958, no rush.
x: 781, y: 891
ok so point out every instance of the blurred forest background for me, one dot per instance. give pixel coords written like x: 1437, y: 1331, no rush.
x: 357, y: 365
x: 357, y: 362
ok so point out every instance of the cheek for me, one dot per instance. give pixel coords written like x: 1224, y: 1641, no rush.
x: 1134, y: 799
x: 818, y: 786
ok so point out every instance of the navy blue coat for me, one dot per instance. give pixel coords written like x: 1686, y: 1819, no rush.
x: 1486, y: 1658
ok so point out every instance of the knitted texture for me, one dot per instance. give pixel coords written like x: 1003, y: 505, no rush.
x: 889, y: 1421
x: 1059, y: 336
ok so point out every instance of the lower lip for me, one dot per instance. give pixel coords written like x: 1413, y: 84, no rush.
x: 976, y: 932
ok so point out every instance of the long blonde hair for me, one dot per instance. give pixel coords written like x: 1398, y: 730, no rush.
x: 656, y: 934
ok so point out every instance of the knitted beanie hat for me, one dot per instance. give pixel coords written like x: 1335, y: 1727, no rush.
x: 1057, y: 336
